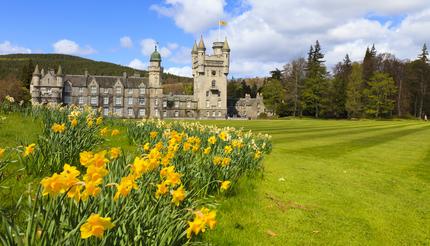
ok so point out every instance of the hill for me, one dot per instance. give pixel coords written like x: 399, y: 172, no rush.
x: 22, y: 66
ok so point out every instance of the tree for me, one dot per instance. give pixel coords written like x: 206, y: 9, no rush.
x: 338, y: 95
x: 27, y: 73
x: 369, y: 63
x: 276, y: 74
x: 315, y: 84
x: 380, y: 95
x: 353, y: 104
x: 295, y: 74
x: 273, y: 95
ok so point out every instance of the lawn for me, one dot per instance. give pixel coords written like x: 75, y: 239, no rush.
x: 326, y: 182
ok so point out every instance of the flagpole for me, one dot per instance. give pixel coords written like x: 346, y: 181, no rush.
x: 219, y: 30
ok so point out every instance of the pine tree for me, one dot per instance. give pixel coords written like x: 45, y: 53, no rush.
x: 315, y: 85
x: 338, y: 95
x: 369, y: 63
x: 380, y: 94
x: 424, y: 54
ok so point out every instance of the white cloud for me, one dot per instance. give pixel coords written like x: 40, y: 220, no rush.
x: 180, y: 71
x: 182, y: 55
x: 137, y: 64
x: 8, y: 48
x: 172, y: 46
x: 126, y: 42
x: 190, y: 15
x: 70, y: 47
x: 148, y: 45
x: 272, y: 32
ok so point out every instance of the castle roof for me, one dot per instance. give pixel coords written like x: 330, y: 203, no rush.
x: 194, y: 50
x: 226, y: 47
x: 105, y: 81
x: 201, y: 44
x: 60, y: 71
x: 155, y: 56
x: 36, y: 70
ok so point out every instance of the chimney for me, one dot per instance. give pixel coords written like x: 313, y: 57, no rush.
x: 86, y: 73
x: 124, y: 75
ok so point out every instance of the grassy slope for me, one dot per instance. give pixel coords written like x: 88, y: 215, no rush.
x: 346, y: 183
x: 355, y: 183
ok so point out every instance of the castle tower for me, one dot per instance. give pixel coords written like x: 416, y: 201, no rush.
x: 59, y: 76
x: 34, y: 85
x: 155, y: 91
x: 210, y: 79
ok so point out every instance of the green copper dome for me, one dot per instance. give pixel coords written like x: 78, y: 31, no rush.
x: 155, y: 56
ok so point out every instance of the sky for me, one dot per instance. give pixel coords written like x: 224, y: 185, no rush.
x: 263, y: 35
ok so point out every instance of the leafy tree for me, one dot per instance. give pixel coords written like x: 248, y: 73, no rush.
x: 339, y: 84
x: 380, y: 95
x: 353, y: 104
x: 295, y: 74
x: 273, y: 95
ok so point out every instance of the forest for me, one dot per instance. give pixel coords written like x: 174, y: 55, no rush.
x: 380, y: 86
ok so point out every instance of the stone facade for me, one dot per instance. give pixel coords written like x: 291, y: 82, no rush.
x: 248, y: 107
x: 138, y: 97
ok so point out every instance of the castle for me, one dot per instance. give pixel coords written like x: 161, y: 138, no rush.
x: 142, y: 97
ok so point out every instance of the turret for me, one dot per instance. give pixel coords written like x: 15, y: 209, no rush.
x: 201, y: 52
x: 226, y: 56
x: 155, y: 69
x: 59, y: 76
x: 36, y: 76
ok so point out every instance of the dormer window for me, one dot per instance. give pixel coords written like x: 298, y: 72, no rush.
x: 130, y: 91
x: 93, y: 90
x: 118, y: 90
x: 142, y: 91
x: 81, y: 90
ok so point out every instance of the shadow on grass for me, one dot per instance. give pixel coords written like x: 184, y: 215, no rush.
x: 422, y: 169
x: 330, y: 151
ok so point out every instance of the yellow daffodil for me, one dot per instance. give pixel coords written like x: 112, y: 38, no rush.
x: 2, y: 152
x: 257, y: 154
x: 86, y: 158
x: 153, y: 134
x: 115, y: 152
x: 74, y: 122
x: 195, y: 227
x: 90, y: 122
x: 162, y: 189
x: 95, y: 226
x: 173, y: 178
x: 58, y: 128
x: 125, y: 186
x: 91, y: 189
x: 207, y: 150
x: 99, y: 120
x: 225, y: 161
x: 146, y: 147
x: 225, y: 185
x: 228, y: 149
x: 212, y: 140
x: 202, y: 218
x: 223, y: 136
x: 115, y: 132
x: 29, y: 150
x: 178, y: 195
x: 104, y: 131
x: 217, y: 160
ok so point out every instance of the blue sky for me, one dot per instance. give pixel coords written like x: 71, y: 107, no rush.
x: 262, y: 34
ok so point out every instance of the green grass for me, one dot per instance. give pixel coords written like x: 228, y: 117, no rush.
x: 326, y: 182
x: 333, y: 182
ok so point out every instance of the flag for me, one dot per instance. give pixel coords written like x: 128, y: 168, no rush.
x: 222, y: 23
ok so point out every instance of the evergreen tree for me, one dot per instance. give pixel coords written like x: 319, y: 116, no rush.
x: 273, y: 95
x: 379, y: 95
x: 424, y: 54
x: 369, y: 63
x: 27, y: 73
x: 338, y: 90
x: 315, y: 84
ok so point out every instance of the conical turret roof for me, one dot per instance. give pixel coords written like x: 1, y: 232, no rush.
x: 60, y: 71
x: 226, y: 47
x: 36, y: 70
x: 194, y: 50
x: 201, y: 44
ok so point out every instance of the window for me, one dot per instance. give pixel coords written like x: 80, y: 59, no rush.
x: 118, y: 100
x: 141, y: 101
x: 188, y: 104
x: 213, y: 113
x: 219, y: 113
x: 105, y: 111
x: 157, y: 113
x: 207, y: 93
x: 81, y: 100
x: 105, y: 100
x: 81, y: 90
x: 213, y: 72
x: 93, y: 90
x: 130, y: 101
x: 106, y: 90
x: 207, y: 113
x: 176, y: 104
x: 176, y: 114
x: 165, y: 114
x: 130, y: 112
x: 142, y: 91
x: 156, y: 101
x: 130, y: 91
x: 219, y: 104
x: 118, y: 90
x: 142, y: 112
x: 213, y: 83
x: 207, y: 104
x: 93, y: 100
x: 219, y: 93
x: 118, y: 111
x: 164, y: 104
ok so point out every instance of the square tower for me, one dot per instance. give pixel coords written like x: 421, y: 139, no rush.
x: 210, y: 79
